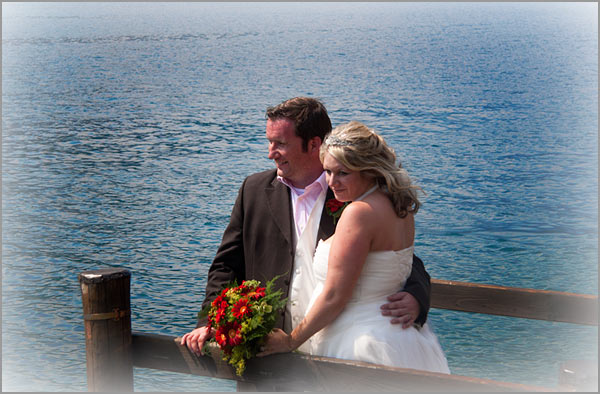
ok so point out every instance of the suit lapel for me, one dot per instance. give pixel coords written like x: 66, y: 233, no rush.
x: 326, y: 226
x: 280, y: 206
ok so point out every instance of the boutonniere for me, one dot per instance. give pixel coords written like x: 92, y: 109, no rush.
x: 334, y: 208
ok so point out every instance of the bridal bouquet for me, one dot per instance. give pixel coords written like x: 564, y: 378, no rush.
x: 242, y: 316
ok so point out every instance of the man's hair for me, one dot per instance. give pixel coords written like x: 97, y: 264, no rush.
x: 308, y: 114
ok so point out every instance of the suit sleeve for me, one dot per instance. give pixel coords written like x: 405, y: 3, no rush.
x: 418, y: 285
x: 228, y: 264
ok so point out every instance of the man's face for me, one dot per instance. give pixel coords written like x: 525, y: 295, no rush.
x: 285, y: 149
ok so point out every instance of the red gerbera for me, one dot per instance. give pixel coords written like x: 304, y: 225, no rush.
x: 234, y: 334
x: 221, y: 312
x: 221, y: 336
x: 219, y: 298
x: 241, y: 308
x: 257, y: 293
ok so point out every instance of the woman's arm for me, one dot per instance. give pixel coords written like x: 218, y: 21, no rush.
x: 351, y: 245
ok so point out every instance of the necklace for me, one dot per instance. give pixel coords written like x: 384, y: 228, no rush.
x: 365, y: 194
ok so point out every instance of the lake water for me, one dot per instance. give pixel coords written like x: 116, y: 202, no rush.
x: 127, y: 129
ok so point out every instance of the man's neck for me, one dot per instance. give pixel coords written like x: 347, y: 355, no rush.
x: 302, y: 184
x: 308, y: 179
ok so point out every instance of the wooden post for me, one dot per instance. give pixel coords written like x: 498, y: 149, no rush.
x: 107, y: 320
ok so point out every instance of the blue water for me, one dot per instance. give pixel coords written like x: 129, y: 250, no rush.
x: 127, y: 129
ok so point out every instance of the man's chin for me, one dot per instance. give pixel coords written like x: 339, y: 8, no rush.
x: 281, y: 172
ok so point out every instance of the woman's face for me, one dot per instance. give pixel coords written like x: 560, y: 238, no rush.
x: 346, y: 185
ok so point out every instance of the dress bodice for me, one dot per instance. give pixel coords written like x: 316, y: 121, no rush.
x: 384, y: 272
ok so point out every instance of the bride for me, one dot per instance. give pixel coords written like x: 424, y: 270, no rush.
x: 368, y: 257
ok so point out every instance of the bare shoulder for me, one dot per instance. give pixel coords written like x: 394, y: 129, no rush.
x: 367, y: 213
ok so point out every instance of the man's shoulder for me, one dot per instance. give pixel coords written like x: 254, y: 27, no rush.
x: 262, y: 178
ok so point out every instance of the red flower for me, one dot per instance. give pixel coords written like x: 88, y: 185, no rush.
x: 334, y: 205
x: 234, y: 334
x: 219, y: 298
x: 241, y: 308
x: 221, y: 311
x: 243, y: 288
x: 334, y: 208
x: 257, y: 293
x: 221, y: 336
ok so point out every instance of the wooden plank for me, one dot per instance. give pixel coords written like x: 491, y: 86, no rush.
x: 296, y: 372
x: 516, y: 302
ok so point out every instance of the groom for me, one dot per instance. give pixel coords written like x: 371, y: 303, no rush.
x: 281, y: 214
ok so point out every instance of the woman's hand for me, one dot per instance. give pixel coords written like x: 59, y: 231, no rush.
x: 195, y: 339
x: 276, y: 342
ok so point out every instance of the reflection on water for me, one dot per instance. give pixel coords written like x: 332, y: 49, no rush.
x: 127, y: 131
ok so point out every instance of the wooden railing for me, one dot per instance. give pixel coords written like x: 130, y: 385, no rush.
x: 113, y: 350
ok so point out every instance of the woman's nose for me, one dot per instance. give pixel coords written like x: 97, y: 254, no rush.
x: 331, y: 180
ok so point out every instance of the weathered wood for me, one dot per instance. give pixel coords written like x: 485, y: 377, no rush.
x: 516, y: 302
x: 112, y: 351
x: 296, y: 372
x: 107, y: 321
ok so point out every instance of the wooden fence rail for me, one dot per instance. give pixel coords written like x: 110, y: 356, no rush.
x: 112, y: 350
x: 516, y: 302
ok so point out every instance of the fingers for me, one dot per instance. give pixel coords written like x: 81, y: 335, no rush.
x: 266, y: 348
x: 405, y: 320
x: 397, y: 296
x: 403, y: 308
x: 195, y: 339
x: 395, y: 309
x: 263, y: 352
x: 274, y: 343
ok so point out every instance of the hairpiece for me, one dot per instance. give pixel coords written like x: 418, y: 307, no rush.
x: 336, y: 140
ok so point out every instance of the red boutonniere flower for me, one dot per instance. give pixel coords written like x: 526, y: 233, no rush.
x: 334, y: 208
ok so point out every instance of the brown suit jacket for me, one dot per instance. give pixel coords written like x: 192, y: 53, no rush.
x: 258, y: 244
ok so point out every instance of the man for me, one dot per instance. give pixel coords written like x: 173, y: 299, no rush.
x: 280, y: 215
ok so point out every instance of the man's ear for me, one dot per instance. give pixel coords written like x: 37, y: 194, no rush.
x: 314, y: 144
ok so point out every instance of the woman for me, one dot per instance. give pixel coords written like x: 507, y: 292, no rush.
x: 368, y: 257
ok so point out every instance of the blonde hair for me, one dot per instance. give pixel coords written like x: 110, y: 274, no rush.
x: 359, y: 148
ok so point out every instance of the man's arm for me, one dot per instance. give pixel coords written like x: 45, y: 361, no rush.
x: 411, y: 303
x: 228, y: 264
x: 419, y: 286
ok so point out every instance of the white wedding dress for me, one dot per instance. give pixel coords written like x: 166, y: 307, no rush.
x: 360, y: 332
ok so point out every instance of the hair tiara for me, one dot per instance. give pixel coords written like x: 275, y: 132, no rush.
x: 336, y: 140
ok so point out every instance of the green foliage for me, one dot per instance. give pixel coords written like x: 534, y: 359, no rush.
x: 242, y: 316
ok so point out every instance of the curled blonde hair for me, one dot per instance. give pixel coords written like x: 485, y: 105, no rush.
x: 359, y: 148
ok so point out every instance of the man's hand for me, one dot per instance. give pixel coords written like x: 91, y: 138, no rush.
x: 403, y: 307
x: 194, y: 340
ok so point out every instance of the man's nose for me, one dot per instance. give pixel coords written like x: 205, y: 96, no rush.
x: 272, y: 153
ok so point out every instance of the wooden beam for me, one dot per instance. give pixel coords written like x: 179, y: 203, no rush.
x: 516, y: 302
x: 296, y: 372
x: 107, y: 323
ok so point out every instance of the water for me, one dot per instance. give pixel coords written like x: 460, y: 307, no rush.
x: 127, y: 129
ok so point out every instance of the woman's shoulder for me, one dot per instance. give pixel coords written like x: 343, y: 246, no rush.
x: 372, y: 209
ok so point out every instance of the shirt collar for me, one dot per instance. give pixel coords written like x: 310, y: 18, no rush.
x: 320, y: 181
